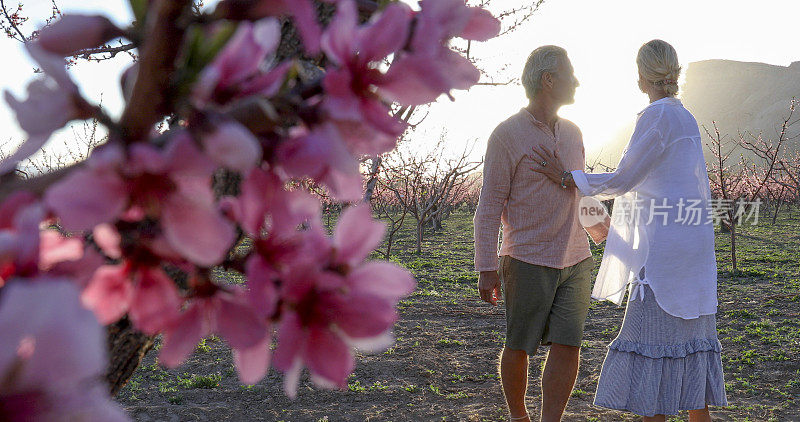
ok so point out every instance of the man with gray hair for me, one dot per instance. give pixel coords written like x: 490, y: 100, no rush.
x: 545, y: 264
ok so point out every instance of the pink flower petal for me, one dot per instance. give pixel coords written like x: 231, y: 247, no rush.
x: 378, y: 343
x: 356, y: 235
x: 186, y: 161
x: 238, y: 324
x: 109, y: 293
x: 59, y: 350
x: 258, y: 190
x: 291, y: 342
x: 181, y: 338
x: 305, y: 19
x: 53, y: 65
x: 328, y: 356
x: 196, y: 231
x: 245, y: 51
x: 146, y: 158
x: 252, y: 363
x: 85, y: 198
x: 262, y: 293
x: 387, y: 34
x: 341, y: 103
x: 382, y: 279
x: 337, y: 41
x: 322, y: 155
x: 55, y: 248
x: 267, y: 84
x: 482, y: 26
x: 108, y: 239
x: 81, y: 271
x: 156, y: 302
x: 73, y: 33
x: 361, y: 315
x: 232, y: 146
x: 462, y: 72
x: 413, y: 80
x: 290, y: 210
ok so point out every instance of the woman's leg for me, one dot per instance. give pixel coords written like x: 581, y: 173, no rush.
x: 699, y: 415
x: 656, y: 418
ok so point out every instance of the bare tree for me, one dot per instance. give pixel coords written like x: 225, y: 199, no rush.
x: 387, y: 207
x: 741, y: 185
x: 427, y: 185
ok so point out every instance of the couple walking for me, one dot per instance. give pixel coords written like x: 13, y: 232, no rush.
x: 666, y: 357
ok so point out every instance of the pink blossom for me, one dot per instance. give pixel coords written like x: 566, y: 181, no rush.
x: 52, y: 356
x: 233, y: 146
x: 330, y: 308
x: 93, y: 194
x: 229, y: 315
x: 263, y: 196
x: 73, y: 33
x: 147, y: 294
x: 55, y: 248
x: 173, y: 184
x: 351, y: 101
x: 52, y: 102
x: 271, y: 215
x: 431, y: 67
x: 237, y: 66
x: 321, y: 154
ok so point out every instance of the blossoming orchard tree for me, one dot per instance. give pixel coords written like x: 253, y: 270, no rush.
x: 133, y: 232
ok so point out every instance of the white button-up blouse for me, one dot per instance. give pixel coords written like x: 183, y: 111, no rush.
x: 661, y: 230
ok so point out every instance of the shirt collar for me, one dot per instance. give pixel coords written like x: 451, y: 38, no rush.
x: 537, y: 122
x: 665, y: 100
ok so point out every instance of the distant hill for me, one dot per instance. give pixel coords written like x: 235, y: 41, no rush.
x: 739, y: 96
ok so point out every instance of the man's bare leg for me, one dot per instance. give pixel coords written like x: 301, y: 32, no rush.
x: 656, y: 418
x: 514, y: 377
x: 560, y: 372
x: 699, y: 415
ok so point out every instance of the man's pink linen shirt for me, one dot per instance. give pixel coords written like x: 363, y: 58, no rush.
x: 539, y: 217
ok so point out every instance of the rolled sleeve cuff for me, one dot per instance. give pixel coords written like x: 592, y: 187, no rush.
x: 579, y: 177
x: 487, y: 264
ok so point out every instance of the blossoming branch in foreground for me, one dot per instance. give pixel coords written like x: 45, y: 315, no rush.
x: 145, y: 202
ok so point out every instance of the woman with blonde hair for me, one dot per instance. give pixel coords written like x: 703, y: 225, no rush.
x: 660, y: 246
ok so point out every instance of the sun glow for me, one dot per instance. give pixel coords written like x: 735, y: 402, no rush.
x: 602, y: 39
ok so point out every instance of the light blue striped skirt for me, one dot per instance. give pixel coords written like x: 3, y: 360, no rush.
x: 660, y: 364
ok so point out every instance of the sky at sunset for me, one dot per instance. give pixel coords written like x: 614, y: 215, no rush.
x: 601, y: 37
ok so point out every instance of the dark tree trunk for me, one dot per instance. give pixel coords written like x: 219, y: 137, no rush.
x: 126, y: 349
x: 420, y: 229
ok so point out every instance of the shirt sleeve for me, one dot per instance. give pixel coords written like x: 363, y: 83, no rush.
x: 643, y: 152
x: 498, y: 168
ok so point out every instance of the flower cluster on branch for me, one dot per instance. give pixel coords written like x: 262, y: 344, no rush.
x: 108, y: 227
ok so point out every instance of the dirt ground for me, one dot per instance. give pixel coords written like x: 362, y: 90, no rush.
x: 443, y: 366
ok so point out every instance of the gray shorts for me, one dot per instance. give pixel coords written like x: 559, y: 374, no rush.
x: 545, y: 305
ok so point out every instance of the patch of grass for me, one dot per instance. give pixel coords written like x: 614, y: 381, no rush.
x: 167, y: 387
x: 458, y: 395
x: 202, y: 347
x: 200, y: 381
x: 378, y: 386
x: 578, y: 393
x: 356, y: 387
x: 449, y: 342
